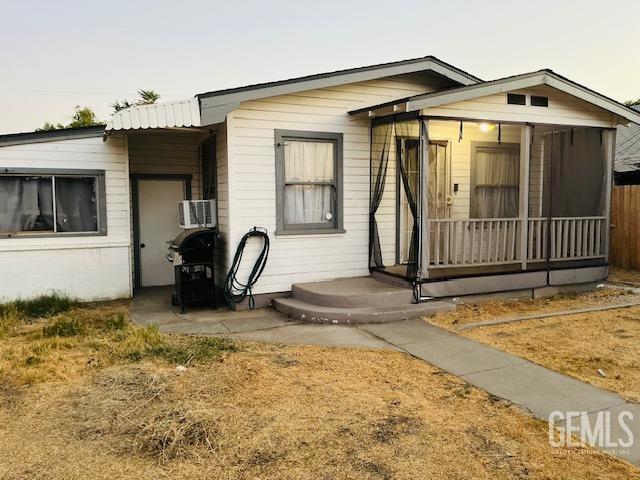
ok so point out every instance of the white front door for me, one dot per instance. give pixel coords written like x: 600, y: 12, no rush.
x: 158, y: 224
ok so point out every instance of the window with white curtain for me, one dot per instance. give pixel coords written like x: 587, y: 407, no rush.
x: 42, y: 202
x: 495, y: 181
x: 308, y: 178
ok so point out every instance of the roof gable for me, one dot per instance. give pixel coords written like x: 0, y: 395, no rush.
x: 503, y: 85
x: 518, y: 82
x: 214, y: 106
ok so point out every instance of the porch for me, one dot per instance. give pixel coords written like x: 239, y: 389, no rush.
x: 459, y: 198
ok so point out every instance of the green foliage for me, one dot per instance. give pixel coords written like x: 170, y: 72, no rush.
x: 117, y: 322
x: 82, y: 117
x: 631, y: 103
x: 147, y: 97
x: 42, y: 306
x: 199, y: 348
x: 64, y: 327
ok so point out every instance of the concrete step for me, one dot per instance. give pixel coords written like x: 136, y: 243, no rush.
x: 309, y: 312
x: 353, y: 292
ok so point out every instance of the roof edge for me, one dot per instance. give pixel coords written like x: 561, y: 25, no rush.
x: 348, y: 71
x: 52, y: 135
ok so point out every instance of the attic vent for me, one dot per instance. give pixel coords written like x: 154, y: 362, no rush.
x: 539, y: 101
x: 516, y: 99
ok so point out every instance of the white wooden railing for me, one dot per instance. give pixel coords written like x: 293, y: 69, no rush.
x: 483, y: 241
x: 498, y: 241
x: 569, y: 238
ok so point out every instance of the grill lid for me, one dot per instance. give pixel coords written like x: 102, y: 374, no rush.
x: 178, y: 242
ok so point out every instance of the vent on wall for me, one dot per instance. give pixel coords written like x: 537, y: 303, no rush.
x: 516, y: 99
x: 537, y: 101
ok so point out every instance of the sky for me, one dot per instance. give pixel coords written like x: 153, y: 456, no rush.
x: 55, y: 55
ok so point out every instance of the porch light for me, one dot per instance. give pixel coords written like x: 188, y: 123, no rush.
x: 487, y: 127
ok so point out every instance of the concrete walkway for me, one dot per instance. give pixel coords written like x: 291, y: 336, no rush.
x: 536, y: 389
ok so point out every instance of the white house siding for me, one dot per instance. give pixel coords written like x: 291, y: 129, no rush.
x: 89, y: 267
x: 166, y: 152
x: 251, y: 175
x: 222, y: 251
x: 563, y: 109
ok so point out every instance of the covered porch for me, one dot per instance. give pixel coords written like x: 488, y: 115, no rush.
x: 472, y: 193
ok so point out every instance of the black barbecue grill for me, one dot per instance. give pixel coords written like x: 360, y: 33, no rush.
x: 191, y: 254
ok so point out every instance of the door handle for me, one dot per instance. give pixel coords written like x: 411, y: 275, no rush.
x: 142, y: 245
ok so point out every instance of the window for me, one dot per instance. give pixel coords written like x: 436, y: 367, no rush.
x: 64, y: 202
x: 516, y: 99
x: 308, y: 182
x: 495, y: 180
x: 537, y: 101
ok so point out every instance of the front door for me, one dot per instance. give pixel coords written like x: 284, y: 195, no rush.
x: 157, y: 224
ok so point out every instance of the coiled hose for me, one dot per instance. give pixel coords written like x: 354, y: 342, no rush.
x: 235, y: 291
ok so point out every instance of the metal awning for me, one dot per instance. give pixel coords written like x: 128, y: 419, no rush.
x: 176, y: 114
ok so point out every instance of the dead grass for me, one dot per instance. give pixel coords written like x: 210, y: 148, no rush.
x: 494, y: 310
x: 624, y: 277
x: 578, y: 345
x: 257, y: 411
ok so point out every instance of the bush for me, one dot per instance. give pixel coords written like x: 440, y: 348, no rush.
x: 64, y: 327
x: 44, y: 305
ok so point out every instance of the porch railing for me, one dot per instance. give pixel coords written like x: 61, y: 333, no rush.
x: 497, y: 241
x: 480, y: 241
x: 569, y: 238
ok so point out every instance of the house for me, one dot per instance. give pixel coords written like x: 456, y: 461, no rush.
x: 414, y: 171
x: 627, y: 161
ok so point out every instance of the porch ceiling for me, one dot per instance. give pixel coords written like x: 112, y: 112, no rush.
x: 507, y: 84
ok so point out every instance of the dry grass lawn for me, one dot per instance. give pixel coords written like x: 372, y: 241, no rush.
x: 493, y: 310
x: 576, y: 345
x: 86, y: 395
x: 624, y: 277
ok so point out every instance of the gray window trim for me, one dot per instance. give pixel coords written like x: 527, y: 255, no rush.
x: 475, y: 146
x: 101, y: 198
x: 308, y: 229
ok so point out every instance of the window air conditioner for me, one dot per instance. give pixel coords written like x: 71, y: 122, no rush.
x: 197, y: 213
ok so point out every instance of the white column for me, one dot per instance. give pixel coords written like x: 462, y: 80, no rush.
x: 525, y: 147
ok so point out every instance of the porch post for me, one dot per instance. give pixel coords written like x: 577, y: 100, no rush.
x: 423, y: 267
x: 525, y: 148
x: 609, y: 140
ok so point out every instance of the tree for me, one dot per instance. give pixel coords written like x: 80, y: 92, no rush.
x: 147, y: 97
x: 631, y: 103
x: 82, y: 117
